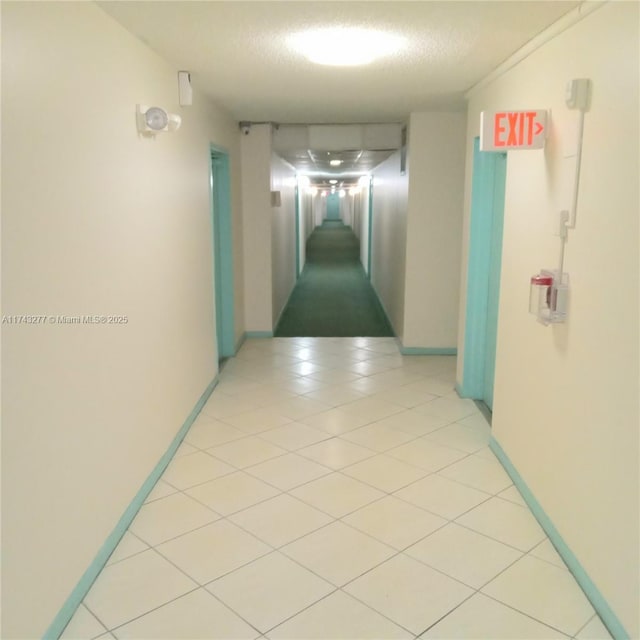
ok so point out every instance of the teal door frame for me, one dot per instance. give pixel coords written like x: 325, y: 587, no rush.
x: 370, y: 230
x: 298, y: 226
x: 483, y: 276
x: 220, y: 182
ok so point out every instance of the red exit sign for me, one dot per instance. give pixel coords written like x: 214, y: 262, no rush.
x: 509, y: 130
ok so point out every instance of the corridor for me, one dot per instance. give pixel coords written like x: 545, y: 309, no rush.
x: 156, y: 205
x: 332, y: 488
x: 333, y: 297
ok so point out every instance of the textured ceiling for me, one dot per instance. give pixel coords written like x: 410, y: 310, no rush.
x: 237, y: 53
x: 316, y: 164
x: 352, y: 162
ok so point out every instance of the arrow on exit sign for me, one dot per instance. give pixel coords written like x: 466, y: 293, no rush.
x: 510, y: 130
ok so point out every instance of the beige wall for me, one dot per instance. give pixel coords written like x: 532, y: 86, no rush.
x: 319, y: 210
x: 269, y: 232
x: 256, y: 213
x: 283, y: 235
x: 434, y: 228
x: 96, y: 220
x: 417, y: 231
x: 305, y: 228
x: 346, y: 209
x: 362, y: 207
x: 389, y: 239
x: 566, y: 396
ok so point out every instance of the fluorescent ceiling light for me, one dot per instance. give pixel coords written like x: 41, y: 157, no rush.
x: 333, y: 182
x: 335, y: 163
x: 345, y: 46
x: 341, y: 174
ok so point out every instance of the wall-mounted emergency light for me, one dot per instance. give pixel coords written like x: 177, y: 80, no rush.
x: 153, y: 120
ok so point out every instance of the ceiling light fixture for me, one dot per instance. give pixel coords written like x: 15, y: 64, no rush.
x: 345, y: 46
x: 335, y: 163
x: 333, y: 182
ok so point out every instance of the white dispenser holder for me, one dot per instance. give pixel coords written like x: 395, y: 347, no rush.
x: 548, y: 296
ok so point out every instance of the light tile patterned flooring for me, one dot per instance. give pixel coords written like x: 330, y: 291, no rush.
x: 332, y: 488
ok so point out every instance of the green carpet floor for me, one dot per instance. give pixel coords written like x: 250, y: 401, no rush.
x: 333, y: 296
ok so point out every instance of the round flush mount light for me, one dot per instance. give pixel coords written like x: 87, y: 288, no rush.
x: 346, y: 46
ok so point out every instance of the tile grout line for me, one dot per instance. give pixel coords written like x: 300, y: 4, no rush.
x: 582, y: 578
x: 387, y: 493
x: 595, y: 615
x: 478, y: 590
x: 335, y: 519
x: 528, y: 615
x: 79, y: 592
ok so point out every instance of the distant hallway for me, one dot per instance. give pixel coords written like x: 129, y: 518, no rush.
x: 333, y: 296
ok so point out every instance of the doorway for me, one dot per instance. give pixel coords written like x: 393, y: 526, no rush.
x: 369, y: 227
x: 222, y: 252
x: 483, y: 278
x: 333, y: 207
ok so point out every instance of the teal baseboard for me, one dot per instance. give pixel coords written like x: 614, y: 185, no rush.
x: 240, y: 342
x: 426, y: 351
x: 286, y: 304
x: 88, y: 578
x: 592, y: 592
x: 257, y: 334
x: 383, y: 308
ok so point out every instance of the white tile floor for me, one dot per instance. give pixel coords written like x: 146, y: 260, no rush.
x: 332, y: 488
